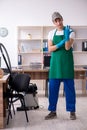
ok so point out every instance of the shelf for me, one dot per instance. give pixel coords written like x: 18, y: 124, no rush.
x: 34, y: 39
x: 46, y: 52
x: 79, y: 39
x: 31, y: 52
x: 78, y: 27
x: 31, y: 41
x: 80, y: 65
x: 30, y: 32
x: 80, y: 52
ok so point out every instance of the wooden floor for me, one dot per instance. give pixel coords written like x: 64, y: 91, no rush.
x: 63, y: 122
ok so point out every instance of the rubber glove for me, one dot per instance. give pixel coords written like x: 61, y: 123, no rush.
x: 67, y: 32
x: 60, y: 44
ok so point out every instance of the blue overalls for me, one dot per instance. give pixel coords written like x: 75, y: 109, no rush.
x: 61, y: 70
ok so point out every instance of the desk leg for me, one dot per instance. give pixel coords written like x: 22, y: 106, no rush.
x: 1, y: 107
x: 46, y: 88
x: 84, y: 86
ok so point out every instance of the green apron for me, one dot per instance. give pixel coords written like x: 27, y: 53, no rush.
x: 61, y: 63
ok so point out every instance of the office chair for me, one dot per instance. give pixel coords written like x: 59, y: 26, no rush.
x: 18, y: 83
x: 16, y: 91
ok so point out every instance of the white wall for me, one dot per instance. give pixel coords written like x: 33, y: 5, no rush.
x: 14, y: 13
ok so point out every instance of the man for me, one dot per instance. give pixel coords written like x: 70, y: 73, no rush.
x: 60, y: 41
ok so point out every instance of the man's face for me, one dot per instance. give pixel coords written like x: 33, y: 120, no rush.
x: 59, y: 23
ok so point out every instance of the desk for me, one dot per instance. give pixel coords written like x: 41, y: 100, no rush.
x: 3, y: 83
x: 34, y: 73
x: 80, y: 73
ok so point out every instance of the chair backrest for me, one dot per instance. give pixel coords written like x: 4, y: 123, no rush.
x: 19, y: 82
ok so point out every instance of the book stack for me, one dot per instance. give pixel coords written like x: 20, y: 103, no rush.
x: 35, y: 65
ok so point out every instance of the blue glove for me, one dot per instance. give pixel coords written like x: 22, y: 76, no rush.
x: 67, y: 32
x: 60, y: 44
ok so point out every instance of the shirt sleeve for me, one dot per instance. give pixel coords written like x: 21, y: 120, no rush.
x: 72, y: 35
x: 51, y: 34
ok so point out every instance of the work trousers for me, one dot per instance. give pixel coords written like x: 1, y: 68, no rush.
x: 69, y: 92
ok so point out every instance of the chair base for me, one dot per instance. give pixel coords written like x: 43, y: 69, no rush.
x: 22, y: 108
x: 27, y: 108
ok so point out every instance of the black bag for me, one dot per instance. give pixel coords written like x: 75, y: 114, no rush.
x: 19, y: 81
x: 32, y: 88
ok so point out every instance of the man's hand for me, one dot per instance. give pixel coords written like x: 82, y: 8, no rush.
x: 67, y: 32
x: 60, y: 44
